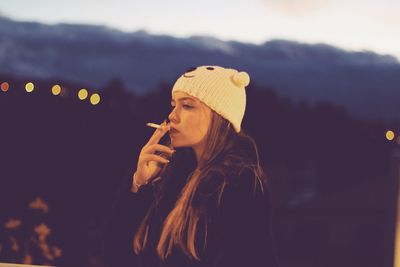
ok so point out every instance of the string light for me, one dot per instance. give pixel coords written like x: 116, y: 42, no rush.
x: 82, y: 94
x: 56, y: 89
x: 4, y: 86
x: 95, y: 99
x: 390, y: 135
x: 29, y: 87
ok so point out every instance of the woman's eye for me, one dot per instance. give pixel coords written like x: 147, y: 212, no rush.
x: 185, y: 106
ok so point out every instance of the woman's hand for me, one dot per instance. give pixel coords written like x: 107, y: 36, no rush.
x: 148, y: 163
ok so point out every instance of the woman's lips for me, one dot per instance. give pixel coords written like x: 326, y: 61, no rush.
x: 173, y: 131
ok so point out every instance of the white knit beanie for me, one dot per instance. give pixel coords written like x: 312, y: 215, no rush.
x: 221, y: 89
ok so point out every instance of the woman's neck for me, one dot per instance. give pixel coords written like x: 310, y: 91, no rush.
x: 198, y: 151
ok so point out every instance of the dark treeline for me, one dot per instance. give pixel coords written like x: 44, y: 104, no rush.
x: 323, y: 164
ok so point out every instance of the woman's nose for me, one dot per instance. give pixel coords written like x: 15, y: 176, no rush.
x: 172, y: 116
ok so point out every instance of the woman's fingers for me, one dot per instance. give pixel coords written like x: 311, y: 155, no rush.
x: 158, y: 134
x: 151, y: 157
x: 157, y: 147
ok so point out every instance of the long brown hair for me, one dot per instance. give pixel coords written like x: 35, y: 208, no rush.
x: 226, y: 152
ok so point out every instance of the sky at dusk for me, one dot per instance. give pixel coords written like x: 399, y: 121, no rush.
x: 353, y: 24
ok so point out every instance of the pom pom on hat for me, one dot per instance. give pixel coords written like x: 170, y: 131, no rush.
x: 241, y: 79
x: 221, y: 89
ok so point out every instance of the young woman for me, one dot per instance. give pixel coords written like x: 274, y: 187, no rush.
x: 205, y: 201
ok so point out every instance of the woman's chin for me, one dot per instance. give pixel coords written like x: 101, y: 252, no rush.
x: 174, y: 143
x: 177, y: 143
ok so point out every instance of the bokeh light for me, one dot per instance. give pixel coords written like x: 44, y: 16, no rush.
x: 82, y: 94
x: 4, y: 86
x: 95, y: 99
x: 390, y: 135
x: 56, y: 89
x: 29, y: 87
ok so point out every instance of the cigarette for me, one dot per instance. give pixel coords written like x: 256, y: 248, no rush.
x: 153, y: 125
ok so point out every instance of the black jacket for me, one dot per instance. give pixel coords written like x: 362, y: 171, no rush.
x: 239, y: 231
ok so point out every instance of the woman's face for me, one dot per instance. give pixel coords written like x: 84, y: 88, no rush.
x: 191, y: 119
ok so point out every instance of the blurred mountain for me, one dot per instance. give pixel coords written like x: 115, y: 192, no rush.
x: 366, y: 83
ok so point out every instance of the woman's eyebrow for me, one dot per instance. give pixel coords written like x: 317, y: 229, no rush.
x: 183, y: 98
